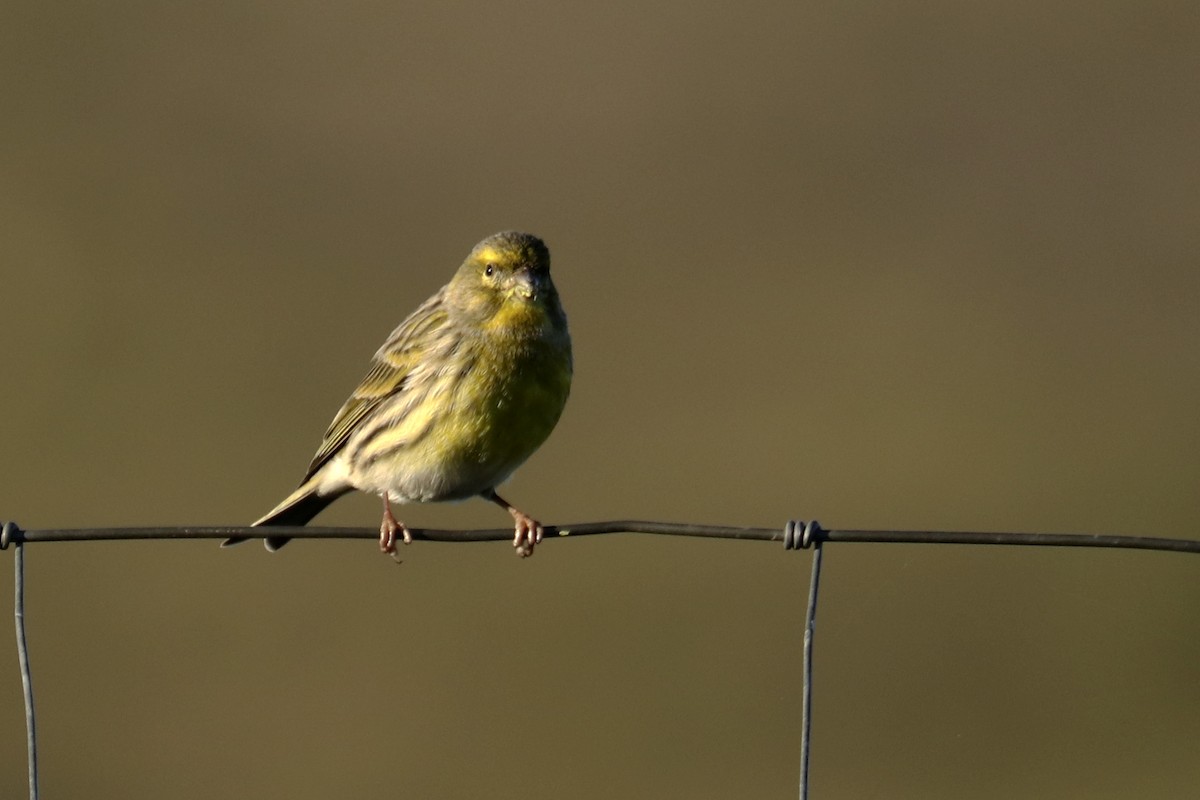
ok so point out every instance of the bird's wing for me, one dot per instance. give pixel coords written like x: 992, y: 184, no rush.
x: 391, y: 372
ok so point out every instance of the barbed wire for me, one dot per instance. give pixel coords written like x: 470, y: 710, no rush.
x: 794, y: 535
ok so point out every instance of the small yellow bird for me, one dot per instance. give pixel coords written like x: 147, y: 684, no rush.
x: 460, y: 394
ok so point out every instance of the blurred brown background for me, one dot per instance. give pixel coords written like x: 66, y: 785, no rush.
x: 909, y: 265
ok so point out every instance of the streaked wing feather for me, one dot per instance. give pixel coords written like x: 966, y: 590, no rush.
x: 391, y: 368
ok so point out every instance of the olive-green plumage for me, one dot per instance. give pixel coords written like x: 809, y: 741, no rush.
x: 460, y: 394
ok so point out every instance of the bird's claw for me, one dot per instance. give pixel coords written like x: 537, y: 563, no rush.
x: 527, y: 533
x: 388, y: 530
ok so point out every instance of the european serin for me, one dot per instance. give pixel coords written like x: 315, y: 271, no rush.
x: 460, y: 394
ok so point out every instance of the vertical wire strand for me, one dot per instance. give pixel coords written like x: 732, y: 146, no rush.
x: 810, y: 619
x: 26, y: 675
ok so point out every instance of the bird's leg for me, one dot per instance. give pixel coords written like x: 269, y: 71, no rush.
x: 388, y: 529
x: 528, y: 531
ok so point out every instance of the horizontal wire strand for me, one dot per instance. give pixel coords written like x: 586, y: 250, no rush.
x: 13, y: 534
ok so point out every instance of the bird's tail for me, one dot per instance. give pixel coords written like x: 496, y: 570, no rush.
x: 297, y: 509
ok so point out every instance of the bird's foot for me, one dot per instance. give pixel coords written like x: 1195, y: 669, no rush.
x: 388, y: 530
x: 526, y: 534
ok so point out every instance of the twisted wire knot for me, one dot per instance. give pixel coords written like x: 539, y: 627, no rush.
x: 800, y: 535
x: 10, y: 534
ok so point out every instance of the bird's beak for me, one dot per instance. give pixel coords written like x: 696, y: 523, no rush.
x: 526, y: 284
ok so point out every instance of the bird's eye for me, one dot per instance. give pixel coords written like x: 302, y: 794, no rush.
x: 490, y: 270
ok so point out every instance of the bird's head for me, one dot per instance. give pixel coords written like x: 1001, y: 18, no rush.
x: 505, y: 284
